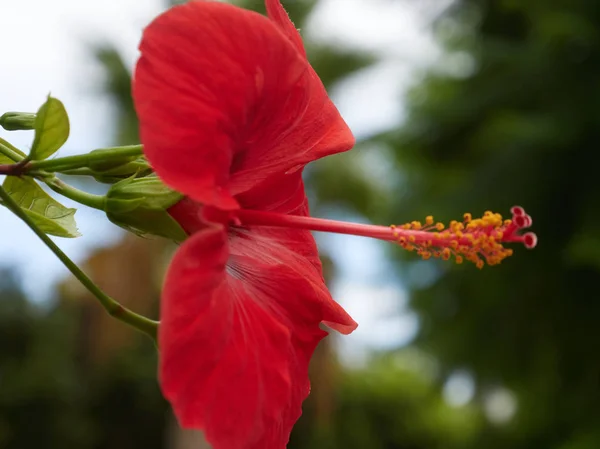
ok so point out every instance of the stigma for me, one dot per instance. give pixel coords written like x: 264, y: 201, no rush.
x: 477, y: 240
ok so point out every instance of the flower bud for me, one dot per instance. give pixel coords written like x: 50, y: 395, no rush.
x: 17, y: 121
x: 112, y: 171
x: 140, y: 205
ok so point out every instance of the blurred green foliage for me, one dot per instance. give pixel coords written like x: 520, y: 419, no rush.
x: 518, y: 125
x: 509, y: 116
x: 52, y: 395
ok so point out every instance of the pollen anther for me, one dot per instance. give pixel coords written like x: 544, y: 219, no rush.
x: 478, y: 240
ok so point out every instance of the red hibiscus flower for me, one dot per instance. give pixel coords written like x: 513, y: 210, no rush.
x: 230, y: 112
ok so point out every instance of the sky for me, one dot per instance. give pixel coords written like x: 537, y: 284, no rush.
x: 46, y: 50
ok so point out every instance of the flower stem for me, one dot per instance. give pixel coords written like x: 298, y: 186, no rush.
x: 112, y: 307
x: 87, y: 199
x: 9, y: 151
x: 83, y: 160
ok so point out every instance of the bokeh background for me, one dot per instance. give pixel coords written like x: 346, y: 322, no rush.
x: 463, y: 105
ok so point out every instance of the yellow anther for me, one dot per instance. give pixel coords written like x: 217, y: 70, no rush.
x: 477, y: 240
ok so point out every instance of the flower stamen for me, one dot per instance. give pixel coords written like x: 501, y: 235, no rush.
x: 478, y: 240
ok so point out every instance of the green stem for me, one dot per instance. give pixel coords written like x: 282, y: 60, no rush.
x: 83, y: 171
x: 84, y: 160
x: 87, y: 199
x: 10, y: 152
x: 112, y: 307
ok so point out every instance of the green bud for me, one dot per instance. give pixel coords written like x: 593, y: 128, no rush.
x: 17, y: 121
x: 140, y: 206
x: 114, y: 163
x: 114, y: 171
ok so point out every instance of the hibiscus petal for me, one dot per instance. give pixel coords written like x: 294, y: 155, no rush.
x: 319, y: 132
x: 278, y: 15
x: 285, y: 264
x: 224, y: 361
x: 225, y: 101
x: 272, y: 265
x: 285, y: 194
x: 239, y: 324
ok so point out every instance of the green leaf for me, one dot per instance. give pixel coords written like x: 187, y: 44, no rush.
x: 51, y: 129
x: 52, y: 217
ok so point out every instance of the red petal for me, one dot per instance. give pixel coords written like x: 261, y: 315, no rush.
x: 286, y: 262
x: 278, y: 15
x: 224, y: 360
x: 225, y: 101
x: 335, y: 136
x: 285, y: 194
x: 235, y: 340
